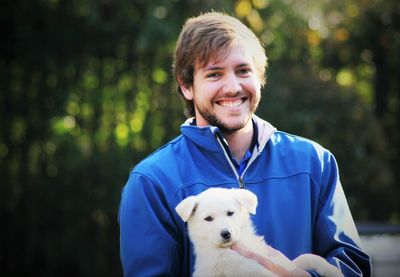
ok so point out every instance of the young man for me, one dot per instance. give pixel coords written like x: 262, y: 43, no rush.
x: 220, y: 67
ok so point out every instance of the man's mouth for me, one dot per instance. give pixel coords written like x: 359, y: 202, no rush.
x: 231, y: 103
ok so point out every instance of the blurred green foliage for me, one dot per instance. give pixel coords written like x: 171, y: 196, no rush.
x: 86, y: 93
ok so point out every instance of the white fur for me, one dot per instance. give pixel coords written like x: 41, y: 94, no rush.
x: 217, y: 212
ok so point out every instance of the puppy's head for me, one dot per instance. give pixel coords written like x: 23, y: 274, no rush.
x: 217, y: 216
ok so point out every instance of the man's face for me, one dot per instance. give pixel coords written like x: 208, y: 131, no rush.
x: 225, y: 92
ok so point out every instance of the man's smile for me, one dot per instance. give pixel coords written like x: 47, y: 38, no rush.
x: 231, y: 103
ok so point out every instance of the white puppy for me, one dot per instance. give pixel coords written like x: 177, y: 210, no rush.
x: 218, y: 218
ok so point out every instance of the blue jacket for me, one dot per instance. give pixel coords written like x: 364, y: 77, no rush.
x: 302, y: 207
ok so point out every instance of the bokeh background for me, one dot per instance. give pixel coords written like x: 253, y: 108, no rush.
x: 86, y: 92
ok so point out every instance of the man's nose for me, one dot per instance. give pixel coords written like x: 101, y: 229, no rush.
x: 232, y: 84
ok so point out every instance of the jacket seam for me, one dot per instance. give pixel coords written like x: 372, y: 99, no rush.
x: 283, y: 177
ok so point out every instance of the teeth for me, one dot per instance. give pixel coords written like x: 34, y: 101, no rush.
x: 230, y: 103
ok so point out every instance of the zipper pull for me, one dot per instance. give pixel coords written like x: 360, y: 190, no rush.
x: 241, y: 183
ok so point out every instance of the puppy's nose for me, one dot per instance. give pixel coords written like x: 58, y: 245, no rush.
x: 225, y: 234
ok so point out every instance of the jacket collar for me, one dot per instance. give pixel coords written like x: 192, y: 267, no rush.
x: 205, y: 137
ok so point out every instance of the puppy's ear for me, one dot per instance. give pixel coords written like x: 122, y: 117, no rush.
x: 247, y: 199
x: 186, y: 207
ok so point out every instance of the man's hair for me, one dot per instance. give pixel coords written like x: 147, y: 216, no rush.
x: 208, y: 37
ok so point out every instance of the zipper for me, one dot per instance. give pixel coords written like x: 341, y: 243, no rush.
x: 241, y: 182
x: 239, y: 178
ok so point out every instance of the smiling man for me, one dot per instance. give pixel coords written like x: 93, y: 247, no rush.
x: 220, y: 69
x: 226, y: 93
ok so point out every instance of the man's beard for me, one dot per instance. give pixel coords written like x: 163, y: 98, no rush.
x: 213, y: 120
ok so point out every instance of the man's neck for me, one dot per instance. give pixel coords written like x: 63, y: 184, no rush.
x: 240, y: 141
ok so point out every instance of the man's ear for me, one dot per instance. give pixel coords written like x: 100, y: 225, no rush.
x: 186, y: 91
x: 186, y: 207
x: 247, y: 199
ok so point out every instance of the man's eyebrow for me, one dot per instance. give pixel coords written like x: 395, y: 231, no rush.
x: 243, y: 65
x: 212, y: 68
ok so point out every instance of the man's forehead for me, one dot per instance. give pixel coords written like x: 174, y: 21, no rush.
x: 216, y: 58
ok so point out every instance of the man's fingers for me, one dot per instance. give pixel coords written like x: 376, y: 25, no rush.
x: 284, y: 267
x: 245, y: 252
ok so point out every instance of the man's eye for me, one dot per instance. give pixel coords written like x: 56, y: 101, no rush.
x: 243, y: 71
x: 229, y: 213
x: 213, y: 75
x: 209, y: 218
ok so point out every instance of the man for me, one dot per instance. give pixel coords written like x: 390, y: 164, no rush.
x: 220, y: 68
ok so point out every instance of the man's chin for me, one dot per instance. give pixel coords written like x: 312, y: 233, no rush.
x: 228, y: 124
x: 230, y: 128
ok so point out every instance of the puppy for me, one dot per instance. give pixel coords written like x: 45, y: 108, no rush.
x: 218, y: 218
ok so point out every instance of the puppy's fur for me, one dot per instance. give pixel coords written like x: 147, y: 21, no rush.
x: 217, y: 218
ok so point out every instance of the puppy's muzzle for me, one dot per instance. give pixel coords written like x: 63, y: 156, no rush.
x: 226, y: 235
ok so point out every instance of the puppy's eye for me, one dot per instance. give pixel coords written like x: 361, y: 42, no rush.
x: 229, y: 213
x: 209, y: 218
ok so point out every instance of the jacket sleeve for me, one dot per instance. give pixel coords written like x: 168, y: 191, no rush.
x: 336, y: 237
x: 148, y: 237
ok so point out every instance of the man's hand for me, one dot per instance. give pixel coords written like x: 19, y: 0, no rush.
x: 273, y: 260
